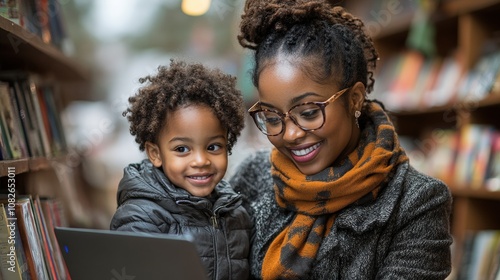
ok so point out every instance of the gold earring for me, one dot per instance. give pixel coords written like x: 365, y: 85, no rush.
x: 356, y: 116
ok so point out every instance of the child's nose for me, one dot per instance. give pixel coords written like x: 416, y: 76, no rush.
x: 200, y: 159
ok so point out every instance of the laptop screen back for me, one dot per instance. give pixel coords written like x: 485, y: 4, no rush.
x: 104, y: 254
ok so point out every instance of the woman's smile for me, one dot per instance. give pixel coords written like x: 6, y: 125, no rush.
x: 305, y: 154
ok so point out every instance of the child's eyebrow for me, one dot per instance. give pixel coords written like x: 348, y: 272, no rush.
x: 182, y: 139
x: 218, y: 136
x: 187, y: 139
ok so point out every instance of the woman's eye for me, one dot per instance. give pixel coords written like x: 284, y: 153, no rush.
x: 310, y: 113
x: 273, y: 120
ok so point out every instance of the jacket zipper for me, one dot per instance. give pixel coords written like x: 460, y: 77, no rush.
x: 213, y: 219
x: 213, y: 216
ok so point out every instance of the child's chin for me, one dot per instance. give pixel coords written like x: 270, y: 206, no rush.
x: 201, y: 192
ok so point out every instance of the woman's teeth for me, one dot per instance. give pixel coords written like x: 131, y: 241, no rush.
x: 304, y: 152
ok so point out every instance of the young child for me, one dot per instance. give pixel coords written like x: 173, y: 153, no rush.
x: 187, y: 118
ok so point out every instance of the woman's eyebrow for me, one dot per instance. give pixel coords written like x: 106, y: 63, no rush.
x: 302, y: 96
x: 293, y: 100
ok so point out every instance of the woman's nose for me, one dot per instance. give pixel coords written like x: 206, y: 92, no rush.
x: 292, y: 131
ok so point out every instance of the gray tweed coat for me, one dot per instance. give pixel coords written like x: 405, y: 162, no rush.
x: 403, y: 234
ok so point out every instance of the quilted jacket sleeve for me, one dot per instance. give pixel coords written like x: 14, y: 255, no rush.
x: 138, y: 215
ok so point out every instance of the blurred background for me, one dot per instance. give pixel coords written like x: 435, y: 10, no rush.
x: 438, y: 76
x: 119, y: 42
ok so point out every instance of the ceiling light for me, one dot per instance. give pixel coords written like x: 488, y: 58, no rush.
x: 195, y: 7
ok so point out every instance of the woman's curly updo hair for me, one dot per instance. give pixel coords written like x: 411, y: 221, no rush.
x: 182, y: 85
x: 332, y: 41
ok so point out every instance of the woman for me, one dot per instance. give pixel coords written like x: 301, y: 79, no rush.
x: 336, y: 198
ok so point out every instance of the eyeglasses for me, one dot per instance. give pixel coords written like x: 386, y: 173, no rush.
x: 309, y: 116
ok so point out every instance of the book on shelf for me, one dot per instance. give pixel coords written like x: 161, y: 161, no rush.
x: 11, y: 10
x: 9, y: 266
x: 445, y: 88
x: 495, y: 88
x: 407, y: 72
x: 30, y: 87
x: 38, y: 255
x: 422, y: 83
x: 481, y: 157
x: 31, y: 124
x: 40, y: 17
x: 464, y: 158
x: 469, y: 152
x: 434, y: 69
x: 481, y: 255
x: 11, y: 123
x: 56, y: 125
x: 410, y: 80
x: 466, y: 256
x: 31, y: 238
x: 480, y: 80
x: 21, y: 259
x: 42, y: 8
x: 441, y: 160
x: 48, y: 248
x: 37, y: 111
x: 492, y: 180
x: 53, y: 216
x: 57, y: 29
x: 4, y: 149
x: 29, y: 13
x: 27, y: 119
x: 465, y: 154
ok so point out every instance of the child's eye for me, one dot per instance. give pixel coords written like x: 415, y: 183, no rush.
x: 181, y: 149
x: 214, y: 147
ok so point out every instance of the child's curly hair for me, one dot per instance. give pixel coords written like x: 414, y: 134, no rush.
x: 181, y: 85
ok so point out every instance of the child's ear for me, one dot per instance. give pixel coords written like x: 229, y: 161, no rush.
x: 153, y: 152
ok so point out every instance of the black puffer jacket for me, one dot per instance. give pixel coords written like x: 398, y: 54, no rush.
x: 221, y: 227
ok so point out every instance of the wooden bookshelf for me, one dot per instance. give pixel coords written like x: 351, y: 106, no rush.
x: 19, y: 165
x: 482, y: 194
x: 491, y: 100
x: 20, y: 49
x: 23, y: 53
x: 24, y: 165
x: 459, y: 7
x: 39, y: 80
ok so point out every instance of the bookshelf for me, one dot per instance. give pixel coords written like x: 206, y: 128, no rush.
x: 21, y: 49
x: 36, y: 81
x: 24, y: 165
x: 467, y: 31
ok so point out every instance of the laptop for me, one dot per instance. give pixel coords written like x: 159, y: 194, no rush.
x: 114, y: 255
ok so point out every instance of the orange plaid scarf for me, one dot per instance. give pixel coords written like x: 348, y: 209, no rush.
x: 316, y: 199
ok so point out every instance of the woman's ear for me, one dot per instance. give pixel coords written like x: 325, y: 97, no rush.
x: 357, y: 97
x: 153, y: 152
